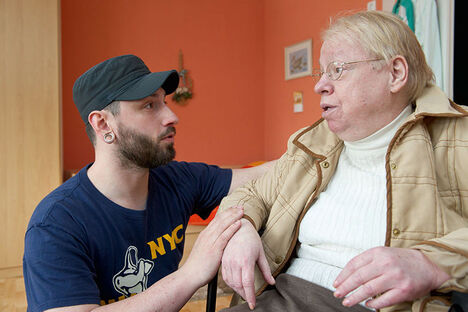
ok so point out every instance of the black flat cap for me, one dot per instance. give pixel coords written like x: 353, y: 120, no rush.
x: 125, y: 78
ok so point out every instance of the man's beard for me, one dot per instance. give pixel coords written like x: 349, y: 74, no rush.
x: 139, y: 150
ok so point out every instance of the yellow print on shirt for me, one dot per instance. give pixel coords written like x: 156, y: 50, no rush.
x: 173, y: 239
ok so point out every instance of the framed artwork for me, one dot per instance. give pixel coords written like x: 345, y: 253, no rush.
x: 298, y: 60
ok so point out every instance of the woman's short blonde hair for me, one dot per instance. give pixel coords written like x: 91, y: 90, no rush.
x: 384, y: 35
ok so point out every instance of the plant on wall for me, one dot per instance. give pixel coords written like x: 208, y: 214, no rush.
x: 184, y: 91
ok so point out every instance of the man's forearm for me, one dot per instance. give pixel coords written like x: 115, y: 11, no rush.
x: 168, y: 295
x: 173, y: 291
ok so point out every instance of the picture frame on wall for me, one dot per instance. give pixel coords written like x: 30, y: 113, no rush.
x: 298, y: 60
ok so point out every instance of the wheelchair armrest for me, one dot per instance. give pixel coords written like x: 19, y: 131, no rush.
x: 460, y: 302
x: 211, y: 294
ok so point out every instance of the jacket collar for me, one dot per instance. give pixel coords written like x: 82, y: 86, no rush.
x: 434, y: 102
x: 318, y: 138
x: 319, y: 142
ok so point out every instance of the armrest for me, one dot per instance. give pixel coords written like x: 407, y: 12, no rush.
x: 211, y: 294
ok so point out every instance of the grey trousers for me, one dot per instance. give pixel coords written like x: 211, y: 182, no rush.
x: 293, y: 294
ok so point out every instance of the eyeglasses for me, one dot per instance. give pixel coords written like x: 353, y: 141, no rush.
x: 335, y: 69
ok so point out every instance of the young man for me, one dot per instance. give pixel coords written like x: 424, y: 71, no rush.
x: 116, y: 229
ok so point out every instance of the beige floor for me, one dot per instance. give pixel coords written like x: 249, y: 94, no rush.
x: 200, y: 305
x: 12, y: 295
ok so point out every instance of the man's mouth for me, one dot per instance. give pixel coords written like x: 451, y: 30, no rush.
x: 168, y: 137
x: 169, y: 134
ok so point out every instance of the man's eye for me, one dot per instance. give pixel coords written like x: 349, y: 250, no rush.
x: 149, y: 105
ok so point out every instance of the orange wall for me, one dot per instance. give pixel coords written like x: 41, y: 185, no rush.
x: 222, y: 42
x: 242, y: 110
x: 287, y: 23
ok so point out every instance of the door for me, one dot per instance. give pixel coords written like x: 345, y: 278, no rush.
x: 30, y: 139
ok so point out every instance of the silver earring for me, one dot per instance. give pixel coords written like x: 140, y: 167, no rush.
x: 109, y: 137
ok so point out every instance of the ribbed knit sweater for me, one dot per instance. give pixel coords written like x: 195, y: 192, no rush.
x: 349, y: 217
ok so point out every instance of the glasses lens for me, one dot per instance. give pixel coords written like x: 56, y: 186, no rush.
x: 334, y: 70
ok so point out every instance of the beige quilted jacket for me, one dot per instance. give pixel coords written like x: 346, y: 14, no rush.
x: 427, y: 192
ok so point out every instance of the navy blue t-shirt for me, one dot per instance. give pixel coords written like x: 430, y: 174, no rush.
x: 82, y: 248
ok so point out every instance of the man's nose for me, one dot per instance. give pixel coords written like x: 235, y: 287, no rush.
x: 170, y: 118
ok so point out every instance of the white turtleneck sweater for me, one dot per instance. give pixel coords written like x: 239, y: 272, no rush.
x: 349, y: 217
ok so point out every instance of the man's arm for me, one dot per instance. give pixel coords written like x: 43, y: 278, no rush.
x: 242, y: 176
x: 172, y: 292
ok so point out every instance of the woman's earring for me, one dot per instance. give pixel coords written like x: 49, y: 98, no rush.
x: 109, y: 137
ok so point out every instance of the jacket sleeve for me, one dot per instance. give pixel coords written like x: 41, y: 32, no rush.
x: 450, y: 253
x: 258, y: 196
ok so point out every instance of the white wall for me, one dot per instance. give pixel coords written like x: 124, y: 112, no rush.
x: 445, y: 12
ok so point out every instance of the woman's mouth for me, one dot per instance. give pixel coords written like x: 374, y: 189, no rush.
x: 327, y: 109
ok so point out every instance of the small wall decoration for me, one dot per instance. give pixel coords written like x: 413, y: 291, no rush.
x: 298, y: 60
x: 298, y: 106
x: 184, y: 91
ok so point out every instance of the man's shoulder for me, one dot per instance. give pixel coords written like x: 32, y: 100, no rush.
x: 170, y: 166
x: 182, y: 165
x: 183, y: 169
x: 190, y: 177
x: 60, y: 201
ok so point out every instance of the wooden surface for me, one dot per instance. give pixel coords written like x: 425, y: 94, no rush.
x: 12, y: 295
x: 200, y: 305
x: 30, y: 144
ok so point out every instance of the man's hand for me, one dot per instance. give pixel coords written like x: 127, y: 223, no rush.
x: 205, y: 258
x: 396, y: 274
x: 241, y: 254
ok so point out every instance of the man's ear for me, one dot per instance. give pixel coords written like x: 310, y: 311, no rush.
x: 398, y: 73
x: 99, y: 120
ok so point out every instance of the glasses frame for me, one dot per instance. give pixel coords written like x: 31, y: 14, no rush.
x: 341, y: 65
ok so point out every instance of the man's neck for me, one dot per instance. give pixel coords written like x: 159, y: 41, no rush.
x: 127, y: 187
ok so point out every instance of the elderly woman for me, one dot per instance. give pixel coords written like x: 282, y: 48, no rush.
x: 368, y: 208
